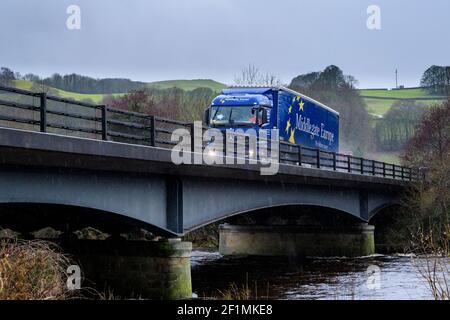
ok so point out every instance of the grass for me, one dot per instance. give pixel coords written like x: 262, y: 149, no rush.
x: 381, y: 100
x: 32, y: 270
x: 407, y: 93
x: 378, y: 107
x: 243, y: 291
x: 234, y: 292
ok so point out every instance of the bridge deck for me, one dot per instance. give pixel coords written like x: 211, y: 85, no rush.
x: 21, y: 147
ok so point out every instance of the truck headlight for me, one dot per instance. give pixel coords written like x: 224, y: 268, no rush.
x: 212, y: 153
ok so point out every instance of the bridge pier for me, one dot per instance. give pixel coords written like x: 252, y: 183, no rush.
x: 133, y: 269
x: 285, y: 240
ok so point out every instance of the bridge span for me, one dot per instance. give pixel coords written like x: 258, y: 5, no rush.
x: 141, y: 183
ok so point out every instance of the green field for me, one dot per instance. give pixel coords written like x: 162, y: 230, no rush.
x: 379, y: 101
x: 187, y: 85
x: 407, y: 93
x: 96, y: 98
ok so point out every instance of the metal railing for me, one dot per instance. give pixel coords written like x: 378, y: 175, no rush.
x: 28, y: 110
x: 316, y: 158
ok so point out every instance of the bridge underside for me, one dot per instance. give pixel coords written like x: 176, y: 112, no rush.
x: 171, y: 206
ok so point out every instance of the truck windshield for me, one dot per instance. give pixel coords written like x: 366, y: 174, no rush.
x: 232, y: 116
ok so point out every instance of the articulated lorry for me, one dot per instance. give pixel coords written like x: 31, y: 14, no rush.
x: 299, y: 119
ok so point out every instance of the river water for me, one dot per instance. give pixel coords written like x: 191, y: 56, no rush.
x: 373, y: 277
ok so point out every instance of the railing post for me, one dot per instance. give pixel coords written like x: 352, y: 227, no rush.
x: 43, y: 112
x: 410, y: 174
x: 318, y: 158
x: 300, y: 155
x: 224, y: 149
x: 373, y: 167
x: 393, y: 171
x: 192, y: 137
x: 403, y: 176
x: 104, y: 123
x: 384, y: 169
x: 334, y: 161
x: 349, y: 163
x: 279, y: 151
x: 152, y: 131
x: 362, y: 165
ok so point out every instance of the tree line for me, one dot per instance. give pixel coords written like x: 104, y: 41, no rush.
x: 6, y: 76
x: 437, y: 80
x: 74, y: 82
x: 398, y: 125
x: 337, y: 90
x: 83, y: 84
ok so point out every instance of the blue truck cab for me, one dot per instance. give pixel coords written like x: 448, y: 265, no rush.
x: 299, y: 119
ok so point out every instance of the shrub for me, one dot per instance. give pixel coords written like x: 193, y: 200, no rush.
x: 32, y: 270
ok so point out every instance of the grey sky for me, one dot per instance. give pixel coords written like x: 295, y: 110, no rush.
x: 182, y: 39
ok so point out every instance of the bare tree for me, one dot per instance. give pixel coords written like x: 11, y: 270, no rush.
x: 271, y: 80
x: 251, y: 76
x: 351, y: 81
x: 431, y: 140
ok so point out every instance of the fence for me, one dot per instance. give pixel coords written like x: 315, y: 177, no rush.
x: 28, y: 110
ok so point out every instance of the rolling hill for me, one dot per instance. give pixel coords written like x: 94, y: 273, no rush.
x: 187, y: 85
x: 378, y: 101
x: 95, y: 98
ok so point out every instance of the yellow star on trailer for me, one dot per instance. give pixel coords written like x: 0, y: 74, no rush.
x: 292, y: 136
x: 288, y: 125
x: 301, y: 104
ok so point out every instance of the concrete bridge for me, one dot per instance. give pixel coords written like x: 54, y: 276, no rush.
x: 116, y: 186
x: 141, y: 184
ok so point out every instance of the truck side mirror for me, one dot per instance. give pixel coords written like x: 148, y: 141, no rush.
x: 206, y: 116
x: 264, y: 116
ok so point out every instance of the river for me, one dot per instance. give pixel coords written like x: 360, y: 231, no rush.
x: 373, y: 277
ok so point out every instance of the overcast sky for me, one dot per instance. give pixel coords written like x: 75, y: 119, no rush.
x: 183, y: 39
